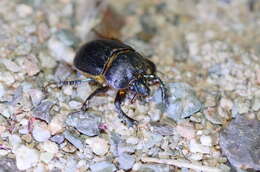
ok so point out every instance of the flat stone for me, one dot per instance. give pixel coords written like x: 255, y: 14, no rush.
x: 240, y: 142
x: 8, y: 164
x: 74, y: 140
x: 41, y: 134
x: 103, y: 166
x: 85, y: 122
x: 42, y: 110
x: 99, y: 145
x: 126, y: 161
x: 182, y: 101
x: 198, y: 148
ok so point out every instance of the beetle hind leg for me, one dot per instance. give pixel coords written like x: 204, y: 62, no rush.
x: 120, y: 96
x: 100, y: 90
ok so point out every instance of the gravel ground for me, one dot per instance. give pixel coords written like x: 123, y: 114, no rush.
x: 206, y: 52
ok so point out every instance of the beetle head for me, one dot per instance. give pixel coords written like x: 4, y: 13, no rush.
x: 139, y: 86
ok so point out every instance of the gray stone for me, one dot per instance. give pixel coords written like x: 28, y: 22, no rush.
x: 154, y: 168
x: 85, y: 122
x: 164, y: 130
x: 62, y: 72
x: 7, y: 164
x: 103, y: 166
x: 67, y: 37
x: 182, y: 101
x: 42, y: 111
x: 73, y: 139
x: 58, y: 138
x: 240, y: 142
x: 126, y: 161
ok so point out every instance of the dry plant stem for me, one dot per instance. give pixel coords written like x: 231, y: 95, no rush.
x: 181, y: 164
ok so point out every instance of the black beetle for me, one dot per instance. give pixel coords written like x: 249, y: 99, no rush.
x: 114, y: 64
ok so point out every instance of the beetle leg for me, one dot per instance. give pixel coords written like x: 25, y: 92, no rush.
x: 120, y: 96
x: 97, y: 91
x: 73, y: 82
x: 154, y: 79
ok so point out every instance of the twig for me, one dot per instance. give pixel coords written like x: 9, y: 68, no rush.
x: 181, y: 164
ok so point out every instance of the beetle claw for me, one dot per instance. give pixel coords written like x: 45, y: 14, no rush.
x: 129, y: 122
x: 84, y: 107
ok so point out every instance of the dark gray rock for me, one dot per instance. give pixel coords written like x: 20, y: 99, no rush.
x: 85, y: 122
x: 240, y: 142
x: 126, y: 161
x: 42, y: 111
x: 73, y: 139
x: 182, y: 101
x: 8, y: 165
x: 103, y: 166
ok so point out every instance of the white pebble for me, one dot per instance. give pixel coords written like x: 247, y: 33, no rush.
x: 50, y: 147
x: 61, y: 51
x: 46, y: 157
x: 41, y: 134
x: 10, y: 65
x: 75, y: 104
x: 7, y: 78
x: 206, y: 140
x: 2, y: 90
x: 99, y: 146
x: 26, y: 157
x: 24, y: 10
x: 198, y: 148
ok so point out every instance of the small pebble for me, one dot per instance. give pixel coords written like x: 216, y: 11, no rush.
x: 126, y: 161
x: 26, y: 157
x: 186, y: 130
x: 60, y: 51
x: 256, y: 104
x: 50, y: 147
x: 57, y: 124
x: 58, y: 138
x: 206, y: 140
x: 7, y: 78
x: 41, y: 134
x: 46, y: 157
x: 85, y: 122
x: 2, y: 90
x: 103, y: 166
x: 198, y: 148
x: 99, y: 145
x: 10, y: 65
x: 24, y: 10
x: 36, y: 96
x: 75, y: 104
x: 74, y: 140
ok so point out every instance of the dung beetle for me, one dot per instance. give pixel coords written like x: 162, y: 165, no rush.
x: 114, y: 64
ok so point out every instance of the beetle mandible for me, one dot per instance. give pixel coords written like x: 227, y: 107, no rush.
x: 114, y: 64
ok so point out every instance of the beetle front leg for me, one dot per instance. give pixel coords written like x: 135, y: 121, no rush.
x: 97, y: 91
x: 120, y: 96
x: 154, y: 79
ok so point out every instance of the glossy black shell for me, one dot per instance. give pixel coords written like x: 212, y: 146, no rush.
x: 92, y: 56
x: 126, y: 65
